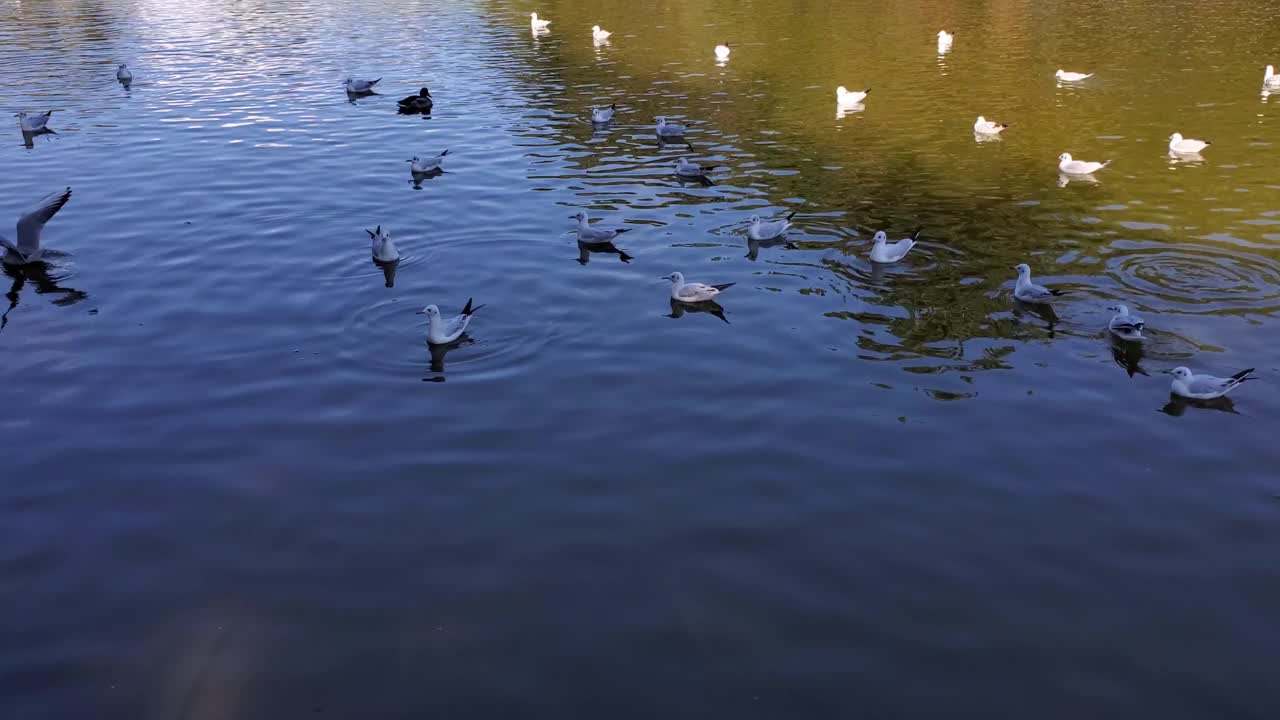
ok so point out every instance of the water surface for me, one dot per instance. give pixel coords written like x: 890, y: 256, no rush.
x: 238, y: 484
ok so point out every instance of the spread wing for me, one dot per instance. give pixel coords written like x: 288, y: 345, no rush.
x: 30, y: 225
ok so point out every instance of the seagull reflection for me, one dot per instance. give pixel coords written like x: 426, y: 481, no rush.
x: 753, y: 246
x: 28, y: 138
x: 607, y: 248
x: 1064, y: 180
x: 1044, y: 312
x: 1265, y: 94
x: 38, y: 274
x: 842, y: 110
x: 419, y: 177
x: 438, y: 352
x: 1176, y: 157
x: 388, y: 268
x: 1178, y: 405
x: 989, y: 137
x: 711, y: 307
x: 1127, y: 354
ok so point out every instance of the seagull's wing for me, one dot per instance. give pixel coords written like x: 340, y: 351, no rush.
x: 1208, y: 384
x: 697, y: 291
x: 30, y: 225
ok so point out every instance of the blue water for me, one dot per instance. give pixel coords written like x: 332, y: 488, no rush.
x: 236, y: 482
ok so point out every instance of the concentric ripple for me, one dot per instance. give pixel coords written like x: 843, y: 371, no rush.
x: 1198, y: 278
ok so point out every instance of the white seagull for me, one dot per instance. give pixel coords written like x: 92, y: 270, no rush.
x: 29, y: 226
x: 1126, y: 326
x: 889, y: 252
x: 686, y: 169
x: 597, y: 34
x: 1205, y: 387
x: 722, y: 51
x: 944, y: 41
x: 768, y: 229
x: 983, y: 126
x: 384, y: 248
x: 1270, y: 79
x: 123, y: 74
x: 588, y: 234
x: 537, y: 24
x: 602, y: 115
x: 693, y: 292
x: 431, y: 164
x: 1177, y: 144
x: 1029, y: 292
x: 33, y: 122
x: 846, y: 98
x: 666, y: 129
x: 360, y: 86
x: 443, y: 332
x: 1078, y: 167
x: 1065, y: 76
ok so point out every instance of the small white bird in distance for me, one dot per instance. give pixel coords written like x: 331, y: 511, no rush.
x: 588, y: 234
x: 1270, y: 79
x: 1029, y: 292
x: 686, y: 169
x: 846, y: 98
x: 944, y: 40
x: 27, y: 249
x: 441, y: 331
x: 884, y: 251
x: 356, y: 87
x: 693, y: 292
x: 768, y: 229
x: 598, y: 34
x: 1204, y: 387
x: 33, y: 122
x: 1078, y: 167
x: 537, y: 24
x: 1124, y: 325
x: 1186, y: 146
x: 420, y: 166
x: 1065, y: 76
x: 983, y: 126
x: 383, y: 247
x: 601, y: 115
x: 666, y: 129
x: 123, y: 74
x: 722, y: 51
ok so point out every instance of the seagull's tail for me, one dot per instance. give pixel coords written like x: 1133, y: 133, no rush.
x: 1106, y: 163
x: 867, y: 91
x: 916, y: 235
x: 446, y: 152
x: 706, y: 181
x: 725, y: 286
x: 793, y: 214
x: 622, y: 230
x: 1242, y: 376
x: 1057, y: 292
x: 613, y: 106
x: 1208, y: 142
x: 468, y: 310
x: 374, y: 82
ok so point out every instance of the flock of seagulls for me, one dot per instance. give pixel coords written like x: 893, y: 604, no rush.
x: 446, y: 331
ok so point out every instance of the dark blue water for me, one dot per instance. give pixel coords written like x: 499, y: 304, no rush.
x: 237, y: 484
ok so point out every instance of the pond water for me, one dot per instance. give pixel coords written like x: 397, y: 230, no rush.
x: 237, y: 483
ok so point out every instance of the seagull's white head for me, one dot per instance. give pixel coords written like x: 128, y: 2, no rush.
x: 755, y: 219
x: 842, y: 90
x: 1023, y: 269
x: 880, y: 237
x: 123, y: 66
x: 1121, y: 309
x: 681, y: 162
x: 431, y: 311
x: 1176, y: 137
x: 595, y: 28
x: 676, y: 278
x: 581, y: 216
x: 377, y: 234
x: 533, y: 16
x: 1269, y: 72
x: 942, y: 34
x: 1060, y: 73
x: 1181, y: 373
x: 662, y: 119
x: 1065, y: 157
x: 981, y: 120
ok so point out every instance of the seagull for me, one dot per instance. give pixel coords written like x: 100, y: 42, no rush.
x: 768, y: 229
x: 443, y: 332
x: 722, y: 51
x: 537, y: 24
x: 384, y: 248
x: 1065, y: 76
x: 431, y: 164
x: 983, y: 126
x: 1187, y: 147
x: 1029, y: 292
x: 686, y: 169
x: 666, y: 129
x: 1126, y: 326
x: 1078, y: 167
x: 889, y: 252
x: 29, y: 226
x: 693, y: 292
x: 1205, y: 387
x: 360, y: 86
x: 944, y: 40
x: 1270, y: 79
x: 597, y: 34
x: 123, y: 74
x: 588, y: 234
x: 603, y: 115
x: 33, y: 123
x: 421, y: 102
x: 846, y: 98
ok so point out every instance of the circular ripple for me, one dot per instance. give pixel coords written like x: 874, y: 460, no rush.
x: 1198, y: 278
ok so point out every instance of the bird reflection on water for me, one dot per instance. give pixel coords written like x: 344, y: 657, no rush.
x: 710, y: 307
x: 38, y: 273
x: 585, y: 251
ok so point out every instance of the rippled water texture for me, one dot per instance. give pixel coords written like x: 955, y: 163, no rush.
x: 238, y: 484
